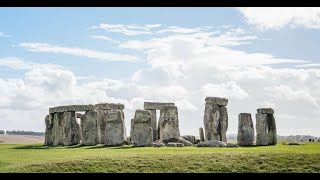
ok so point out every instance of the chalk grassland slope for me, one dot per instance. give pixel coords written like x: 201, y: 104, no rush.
x: 278, y: 158
x: 21, y: 139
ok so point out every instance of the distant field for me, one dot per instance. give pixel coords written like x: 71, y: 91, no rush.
x: 278, y: 158
x: 21, y: 139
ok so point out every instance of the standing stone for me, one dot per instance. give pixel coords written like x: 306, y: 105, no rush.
x: 57, y: 128
x: 169, y: 124
x: 70, y: 129
x: 266, y: 127
x: 223, y: 123
x: 261, y: 129
x: 245, y: 135
x: 272, y: 130
x: 211, y: 122
x: 115, y: 128
x: 89, y: 128
x: 142, y: 133
x: 201, y: 134
x: 154, y: 124
x: 102, y: 119
x: 49, y: 130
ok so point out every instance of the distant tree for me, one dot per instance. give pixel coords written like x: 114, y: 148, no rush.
x: 18, y: 132
x: 1, y: 131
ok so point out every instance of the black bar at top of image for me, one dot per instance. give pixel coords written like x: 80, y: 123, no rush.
x: 158, y: 3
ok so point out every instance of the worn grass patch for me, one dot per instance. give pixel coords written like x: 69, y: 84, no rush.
x: 278, y: 158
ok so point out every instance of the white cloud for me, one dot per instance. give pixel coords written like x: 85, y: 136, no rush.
x: 19, y: 64
x: 307, y: 65
x: 278, y: 17
x: 104, y: 56
x: 4, y: 35
x: 227, y: 90
x: 105, y: 38
x: 129, y: 30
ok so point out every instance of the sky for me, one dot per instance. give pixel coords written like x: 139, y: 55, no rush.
x: 254, y: 57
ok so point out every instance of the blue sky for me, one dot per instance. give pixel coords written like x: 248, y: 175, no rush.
x: 265, y: 57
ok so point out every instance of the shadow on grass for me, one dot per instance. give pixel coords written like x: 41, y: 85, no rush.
x: 110, y: 147
x: 35, y: 146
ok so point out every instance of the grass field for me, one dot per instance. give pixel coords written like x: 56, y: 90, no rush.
x: 278, y: 158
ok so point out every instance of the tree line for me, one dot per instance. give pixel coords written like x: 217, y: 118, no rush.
x: 18, y: 132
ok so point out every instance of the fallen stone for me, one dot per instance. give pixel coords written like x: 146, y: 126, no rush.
x: 295, y: 143
x: 185, y: 142
x: 232, y: 145
x: 212, y: 143
x: 158, y: 144
x: 172, y: 144
x: 217, y: 100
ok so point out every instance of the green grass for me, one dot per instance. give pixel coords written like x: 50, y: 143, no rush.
x: 278, y: 158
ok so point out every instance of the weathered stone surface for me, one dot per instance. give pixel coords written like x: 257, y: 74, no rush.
x: 109, y: 106
x: 115, y: 134
x: 49, y: 130
x: 201, y: 134
x: 217, y: 100
x: 89, y: 128
x: 245, y: 136
x: 102, y: 120
x: 154, y: 124
x: 169, y: 123
x: 158, y: 144
x: 265, y: 111
x: 57, y: 129
x: 142, y: 133
x: 266, y: 129
x: 185, y: 142
x: 232, y: 145
x: 223, y: 123
x: 295, y: 143
x: 261, y: 129
x: 79, y: 115
x: 272, y: 130
x: 61, y: 109
x: 212, y: 143
x: 211, y: 121
x: 172, y: 144
x: 70, y: 129
x: 190, y: 138
x: 155, y: 105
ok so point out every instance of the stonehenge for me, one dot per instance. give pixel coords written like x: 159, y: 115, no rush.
x: 141, y: 131
x: 245, y: 136
x: 104, y: 124
x: 153, y: 107
x: 215, y: 119
x: 266, y: 127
